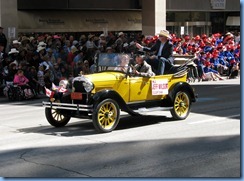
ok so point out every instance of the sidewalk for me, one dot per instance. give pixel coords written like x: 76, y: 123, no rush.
x: 224, y: 81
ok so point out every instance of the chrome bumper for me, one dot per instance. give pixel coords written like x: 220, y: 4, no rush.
x: 66, y: 106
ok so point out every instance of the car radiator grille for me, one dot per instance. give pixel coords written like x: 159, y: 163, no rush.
x: 78, y: 87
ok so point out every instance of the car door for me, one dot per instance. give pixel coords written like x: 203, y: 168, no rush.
x: 139, y: 88
x: 145, y: 89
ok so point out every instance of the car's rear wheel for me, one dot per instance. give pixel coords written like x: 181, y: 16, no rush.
x: 56, y: 118
x: 182, y: 105
x: 106, y: 116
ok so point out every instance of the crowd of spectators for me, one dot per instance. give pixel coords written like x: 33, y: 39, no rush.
x: 47, y: 58
x: 215, y: 56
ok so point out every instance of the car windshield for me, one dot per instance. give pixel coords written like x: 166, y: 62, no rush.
x: 113, y: 62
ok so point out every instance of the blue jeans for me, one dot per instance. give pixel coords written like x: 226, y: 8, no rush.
x: 158, y: 65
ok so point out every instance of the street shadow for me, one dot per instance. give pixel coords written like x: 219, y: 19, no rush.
x: 202, y: 157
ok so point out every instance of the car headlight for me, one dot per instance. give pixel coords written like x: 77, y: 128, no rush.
x: 88, y: 86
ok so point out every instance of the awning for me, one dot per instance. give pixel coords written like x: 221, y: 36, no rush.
x: 233, y: 21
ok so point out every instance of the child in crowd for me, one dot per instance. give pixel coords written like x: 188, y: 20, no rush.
x: 209, y: 73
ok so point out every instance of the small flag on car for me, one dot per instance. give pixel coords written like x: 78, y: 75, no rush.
x: 49, y: 93
x: 54, y: 87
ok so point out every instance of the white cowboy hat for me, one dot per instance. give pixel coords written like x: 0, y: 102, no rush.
x: 229, y: 33
x: 102, y: 35
x: 109, y: 48
x: 90, y: 36
x: 16, y: 42
x: 74, y: 49
x: 75, y: 42
x: 120, y: 33
x: 164, y: 33
x: 125, y: 45
x: 40, y: 48
x: 132, y: 43
x: 42, y: 44
x: 31, y: 38
x: 13, y: 50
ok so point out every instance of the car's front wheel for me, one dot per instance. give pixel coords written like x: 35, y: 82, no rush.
x: 106, y: 116
x: 56, y: 118
x: 182, y: 105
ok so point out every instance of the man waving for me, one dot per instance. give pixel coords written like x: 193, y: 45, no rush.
x: 163, y: 49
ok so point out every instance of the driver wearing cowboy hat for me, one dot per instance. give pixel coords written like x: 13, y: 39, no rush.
x: 163, y: 49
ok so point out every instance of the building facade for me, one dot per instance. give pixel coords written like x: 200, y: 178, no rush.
x: 180, y: 17
x: 197, y: 16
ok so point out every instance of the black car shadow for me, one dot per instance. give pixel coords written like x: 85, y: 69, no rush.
x: 85, y: 127
x: 140, y: 121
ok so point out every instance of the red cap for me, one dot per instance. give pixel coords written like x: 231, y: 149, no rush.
x: 220, y: 46
x: 174, y: 39
x: 207, y: 63
x: 184, y: 44
x: 197, y: 38
x: 179, y: 40
x: 204, y: 36
x: 215, y: 55
x: 208, y: 55
x: 187, y: 37
x: 154, y: 39
x: 202, y: 44
x: 56, y: 37
x: 189, y: 48
x: 194, y: 49
x: 217, y: 35
x: 230, y: 47
x: 215, y: 51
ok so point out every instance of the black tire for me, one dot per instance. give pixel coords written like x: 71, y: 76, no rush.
x: 181, y: 105
x: 106, y: 116
x: 56, y: 118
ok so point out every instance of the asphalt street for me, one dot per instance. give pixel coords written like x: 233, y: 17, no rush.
x: 206, y: 144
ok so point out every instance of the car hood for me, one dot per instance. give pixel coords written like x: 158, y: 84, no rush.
x: 105, y: 79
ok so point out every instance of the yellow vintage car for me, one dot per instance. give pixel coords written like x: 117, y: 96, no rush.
x: 101, y: 96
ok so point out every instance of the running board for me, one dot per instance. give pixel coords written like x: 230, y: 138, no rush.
x: 143, y: 109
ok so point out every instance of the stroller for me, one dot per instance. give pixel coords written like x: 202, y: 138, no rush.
x: 15, y: 93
